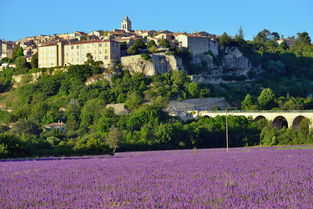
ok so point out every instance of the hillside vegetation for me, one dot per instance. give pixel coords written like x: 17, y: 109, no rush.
x: 90, y: 128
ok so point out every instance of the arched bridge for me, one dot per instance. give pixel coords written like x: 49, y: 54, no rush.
x: 279, y: 119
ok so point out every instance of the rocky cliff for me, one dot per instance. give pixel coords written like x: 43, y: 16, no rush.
x: 229, y: 65
x: 156, y: 64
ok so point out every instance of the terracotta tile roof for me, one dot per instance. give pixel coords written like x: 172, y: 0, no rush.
x: 76, y: 42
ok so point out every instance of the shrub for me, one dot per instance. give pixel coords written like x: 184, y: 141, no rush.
x: 146, y: 57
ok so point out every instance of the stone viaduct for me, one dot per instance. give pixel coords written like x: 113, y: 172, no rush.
x: 279, y: 119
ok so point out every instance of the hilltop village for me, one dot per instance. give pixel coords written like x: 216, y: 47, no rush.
x: 70, y: 94
x: 122, y: 46
x: 106, y: 46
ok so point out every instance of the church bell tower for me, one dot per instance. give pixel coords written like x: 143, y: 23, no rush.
x: 126, y: 24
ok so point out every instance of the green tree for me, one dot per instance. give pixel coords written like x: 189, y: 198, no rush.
x: 133, y: 101
x: 107, y: 119
x: 275, y: 36
x: 225, y: 39
x: 90, y: 60
x: 153, y: 49
x: 263, y: 36
x: 139, y: 43
x: 304, y: 38
x: 34, y: 61
x: 91, y: 144
x: 275, y: 67
x: 266, y: 99
x: 239, y: 37
x: 193, y: 89
x: 132, y: 50
x: 26, y: 127
x: 151, y: 43
x: 90, y: 112
x: 18, y: 52
x: 20, y: 62
x: 247, y: 103
x: 114, y: 138
x: 164, y: 43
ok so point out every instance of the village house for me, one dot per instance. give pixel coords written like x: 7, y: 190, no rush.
x: 74, y: 53
x: 289, y: 42
x: 197, y: 44
x: 6, y: 49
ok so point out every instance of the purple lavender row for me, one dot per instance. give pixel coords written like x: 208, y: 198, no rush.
x: 243, y: 178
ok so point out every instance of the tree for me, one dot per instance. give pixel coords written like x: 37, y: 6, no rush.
x: 263, y: 36
x: 247, y: 103
x: 26, y: 127
x: 164, y: 43
x: 18, y: 52
x: 275, y: 36
x: 304, y: 38
x: 34, y: 61
x: 132, y: 50
x: 83, y: 38
x: 90, y: 60
x: 225, y: 39
x: 114, y: 138
x: 153, y: 49
x: 139, y: 43
x: 133, y: 101
x: 193, y: 89
x: 266, y: 99
x: 239, y: 37
x: 90, y: 112
x: 151, y: 43
x: 276, y: 67
x: 20, y: 63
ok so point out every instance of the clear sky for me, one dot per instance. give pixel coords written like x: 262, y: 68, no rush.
x: 22, y: 18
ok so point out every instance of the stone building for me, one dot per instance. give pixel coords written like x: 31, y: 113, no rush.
x: 289, y: 42
x: 197, y: 44
x: 126, y: 24
x: 6, y: 49
x: 74, y: 53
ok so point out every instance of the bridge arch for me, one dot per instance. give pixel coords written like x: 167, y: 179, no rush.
x: 280, y: 122
x: 260, y: 117
x: 296, y: 122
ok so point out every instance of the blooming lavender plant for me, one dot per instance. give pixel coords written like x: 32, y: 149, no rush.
x: 243, y: 178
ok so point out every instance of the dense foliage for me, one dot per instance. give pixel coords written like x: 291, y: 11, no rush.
x: 286, y: 70
x: 61, y: 94
x: 65, y: 97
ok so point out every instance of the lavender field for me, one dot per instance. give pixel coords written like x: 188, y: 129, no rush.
x: 243, y: 178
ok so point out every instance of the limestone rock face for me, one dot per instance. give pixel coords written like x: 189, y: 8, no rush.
x: 234, y: 59
x: 230, y: 63
x: 159, y: 63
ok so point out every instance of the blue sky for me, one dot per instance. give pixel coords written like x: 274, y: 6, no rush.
x: 21, y: 18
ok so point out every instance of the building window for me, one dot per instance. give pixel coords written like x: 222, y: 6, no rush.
x: 100, y: 44
x: 77, y: 47
x: 105, y: 57
x: 72, y: 47
x: 105, y: 51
